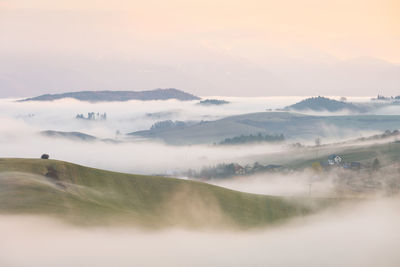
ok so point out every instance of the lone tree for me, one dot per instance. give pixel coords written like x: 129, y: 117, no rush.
x: 45, y: 156
x: 376, y: 165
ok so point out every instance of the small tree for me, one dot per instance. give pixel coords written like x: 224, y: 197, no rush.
x: 376, y: 165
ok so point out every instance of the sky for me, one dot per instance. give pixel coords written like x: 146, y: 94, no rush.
x: 220, y: 47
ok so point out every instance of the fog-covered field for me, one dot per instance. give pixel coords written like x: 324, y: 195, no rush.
x: 21, y: 123
x: 131, y: 115
x: 364, y: 235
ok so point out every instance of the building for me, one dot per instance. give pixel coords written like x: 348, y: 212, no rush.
x: 334, y: 159
x: 239, y: 170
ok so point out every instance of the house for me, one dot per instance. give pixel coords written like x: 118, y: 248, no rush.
x: 334, y: 159
x: 239, y: 170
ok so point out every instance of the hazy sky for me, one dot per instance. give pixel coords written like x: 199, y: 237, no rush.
x: 219, y: 47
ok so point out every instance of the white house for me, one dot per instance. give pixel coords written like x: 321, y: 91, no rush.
x: 334, y: 159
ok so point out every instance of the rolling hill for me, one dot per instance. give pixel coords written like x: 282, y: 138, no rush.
x: 387, y: 151
x: 325, y: 104
x: 69, y: 135
x: 291, y: 125
x: 88, y: 196
x: 107, y: 96
x: 77, y: 136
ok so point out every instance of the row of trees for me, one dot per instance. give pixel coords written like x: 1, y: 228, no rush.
x: 92, y: 116
x: 226, y: 170
x: 252, y: 139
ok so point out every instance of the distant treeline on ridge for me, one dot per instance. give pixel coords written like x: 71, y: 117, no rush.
x: 253, y: 139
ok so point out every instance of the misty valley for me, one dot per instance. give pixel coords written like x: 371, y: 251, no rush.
x: 199, y: 133
x: 255, y: 170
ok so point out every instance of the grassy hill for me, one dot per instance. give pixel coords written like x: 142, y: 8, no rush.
x: 90, y: 196
x: 325, y: 104
x: 364, y: 152
x: 291, y: 125
x: 387, y: 153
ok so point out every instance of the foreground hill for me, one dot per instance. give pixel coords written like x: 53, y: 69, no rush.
x: 291, y: 125
x: 99, y: 96
x: 91, y: 196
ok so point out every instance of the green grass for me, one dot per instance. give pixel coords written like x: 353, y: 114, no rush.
x: 387, y: 153
x: 90, y: 196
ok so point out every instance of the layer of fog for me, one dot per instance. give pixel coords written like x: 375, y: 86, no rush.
x: 21, y: 121
x: 303, y: 183
x: 135, y: 157
x: 131, y: 115
x: 19, y: 140
x: 360, y: 235
x: 138, y: 115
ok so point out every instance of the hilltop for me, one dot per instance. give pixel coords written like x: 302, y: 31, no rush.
x: 107, y: 96
x: 83, y: 195
x: 213, y: 102
x: 325, y: 104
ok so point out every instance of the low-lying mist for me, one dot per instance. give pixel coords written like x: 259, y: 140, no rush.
x: 22, y: 121
x: 143, y: 157
x: 358, y: 235
x: 128, y: 116
x: 363, y: 233
x: 300, y: 183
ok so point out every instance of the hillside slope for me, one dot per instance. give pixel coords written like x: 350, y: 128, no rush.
x: 68, y: 135
x: 90, y: 196
x: 291, y: 125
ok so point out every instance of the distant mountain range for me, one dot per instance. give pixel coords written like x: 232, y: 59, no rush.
x: 232, y: 76
x: 106, y: 96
